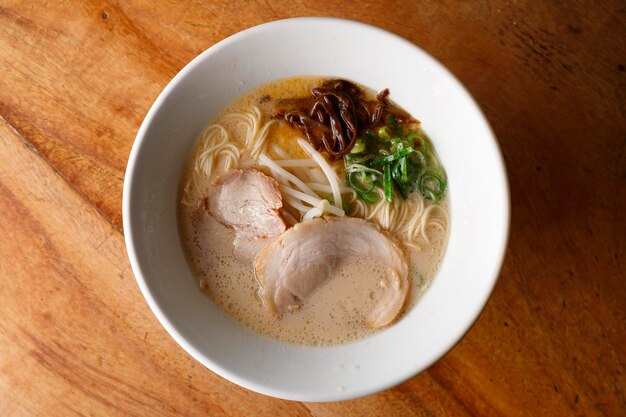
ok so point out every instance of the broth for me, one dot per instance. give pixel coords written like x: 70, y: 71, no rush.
x: 334, y: 312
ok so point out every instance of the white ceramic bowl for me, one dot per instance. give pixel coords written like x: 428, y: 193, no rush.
x: 479, y: 202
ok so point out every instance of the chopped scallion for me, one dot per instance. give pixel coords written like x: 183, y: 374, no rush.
x: 359, y: 146
x: 394, y: 157
x: 387, y: 185
x: 390, y: 158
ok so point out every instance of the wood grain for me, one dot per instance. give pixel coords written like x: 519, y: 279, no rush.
x: 76, y: 79
x: 76, y: 334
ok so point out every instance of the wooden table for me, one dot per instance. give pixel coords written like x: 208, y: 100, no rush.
x: 77, y: 78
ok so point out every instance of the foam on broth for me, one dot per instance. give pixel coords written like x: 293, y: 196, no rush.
x: 335, y: 312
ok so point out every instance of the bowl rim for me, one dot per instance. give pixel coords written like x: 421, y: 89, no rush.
x: 499, y: 253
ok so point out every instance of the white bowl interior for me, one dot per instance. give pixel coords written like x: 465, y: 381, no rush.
x: 478, y: 199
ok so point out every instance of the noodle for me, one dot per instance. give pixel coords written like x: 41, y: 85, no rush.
x: 306, y: 183
x: 219, y: 153
x: 249, y: 165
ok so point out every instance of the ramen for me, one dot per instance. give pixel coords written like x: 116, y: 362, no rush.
x: 314, y: 211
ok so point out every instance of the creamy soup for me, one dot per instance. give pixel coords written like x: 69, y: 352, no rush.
x: 334, y: 311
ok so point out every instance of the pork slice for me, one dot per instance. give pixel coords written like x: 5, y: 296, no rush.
x: 297, y: 262
x: 249, y: 202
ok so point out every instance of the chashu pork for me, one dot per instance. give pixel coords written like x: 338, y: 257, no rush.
x: 296, y: 263
x: 249, y: 202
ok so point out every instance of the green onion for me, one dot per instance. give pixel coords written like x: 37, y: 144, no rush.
x: 384, y: 133
x: 362, y: 168
x: 369, y: 198
x: 394, y: 158
x: 394, y: 123
x: 398, y: 144
x: 403, y: 165
x: 355, y: 183
x: 359, y: 146
x: 371, y: 137
x: 431, y: 186
x: 390, y: 158
x: 396, y: 171
x: 402, y: 189
x: 403, y: 174
x: 387, y: 185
